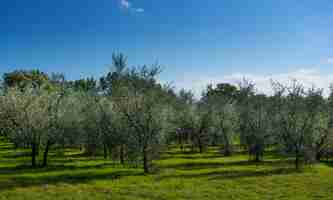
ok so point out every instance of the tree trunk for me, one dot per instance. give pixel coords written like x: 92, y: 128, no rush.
x: 257, y: 153
x: 145, y: 160
x: 318, y: 156
x: 200, y: 145
x: 200, y: 148
x: 181, y: 141
x: 33, y: 154
x: 37, y: 150
x: 90, y: 149
x: 297, y: 163
x: 297, y: 160
x: 257, y: 158
x: 105, y: 151
x: 46, y: 152
x: 227, y: 148
x: 227, y: 152
x: 181, y: 147
x: 122, y: 154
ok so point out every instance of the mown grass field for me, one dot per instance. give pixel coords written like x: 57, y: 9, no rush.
x: 180, y: 176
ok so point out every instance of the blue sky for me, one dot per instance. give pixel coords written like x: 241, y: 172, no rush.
x: 197, y: 42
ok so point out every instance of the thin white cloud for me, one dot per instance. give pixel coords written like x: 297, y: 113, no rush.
x: 307, y: 77
x: 329, y: 60
x: 139, y: 10
x: 127, y: 5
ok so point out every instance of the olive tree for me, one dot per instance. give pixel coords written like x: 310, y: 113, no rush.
x: 301, y: 120
x: 27, y: 117
x: 182, y: 120
x: 254, y: 120
x: 144, y: 109
x: 113, y: 87
x: 202, y: 127
x: 226, y: 123
x: 222, y: 100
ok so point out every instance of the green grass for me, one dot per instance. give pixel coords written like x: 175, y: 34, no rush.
x: 180, y: 176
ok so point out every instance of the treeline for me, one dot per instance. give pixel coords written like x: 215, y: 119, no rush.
x: 128, y: 116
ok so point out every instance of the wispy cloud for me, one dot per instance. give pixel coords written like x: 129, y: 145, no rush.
x: 308, y: 77
x: 127, y: 5
x: 140, y: 10
x: 329, y: 60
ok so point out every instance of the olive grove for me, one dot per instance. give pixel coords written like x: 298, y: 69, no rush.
x: 129, y: 117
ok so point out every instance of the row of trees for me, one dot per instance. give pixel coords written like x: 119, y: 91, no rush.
x: 295, y: 121
x: 128, y: 116
x: 125, y: 114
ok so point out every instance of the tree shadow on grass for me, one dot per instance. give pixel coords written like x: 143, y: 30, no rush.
x: 232, y: 174
x: 328, y: 163
x: 191, y: 157
x: 5, y: 144
x: 78, y: 155
x: 70, y: 178
x: 15, y: 155
x: 181, y: 153
x: 6, y: 148
x: 21, y: 169
x: 213, y: 154
x: 250, y: 173
x: 207, y: 165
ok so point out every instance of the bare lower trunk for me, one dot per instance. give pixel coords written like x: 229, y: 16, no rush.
x: 258, y: 153
x: 297, y: 160
x: 46, y: 152
x: 90, y: 149
x: 227, y: 149
x: 105, y: 151
x: 145, y: 161
x: 227, y: 152
x: 319, y: 156
x: 257, y: 157
x: 33, y: 154
x: 200, y: 145
x: 122, y: 154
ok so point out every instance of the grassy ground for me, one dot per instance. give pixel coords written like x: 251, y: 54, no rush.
x: 180, y: 176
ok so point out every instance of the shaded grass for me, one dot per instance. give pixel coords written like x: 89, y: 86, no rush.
x: 232, y: 174
x: 217, y: 164
x: 66, y: 178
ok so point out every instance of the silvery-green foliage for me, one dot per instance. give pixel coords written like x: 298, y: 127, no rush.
x: 27, y: 112
x: 225, y: 126
x: 302, y: 120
